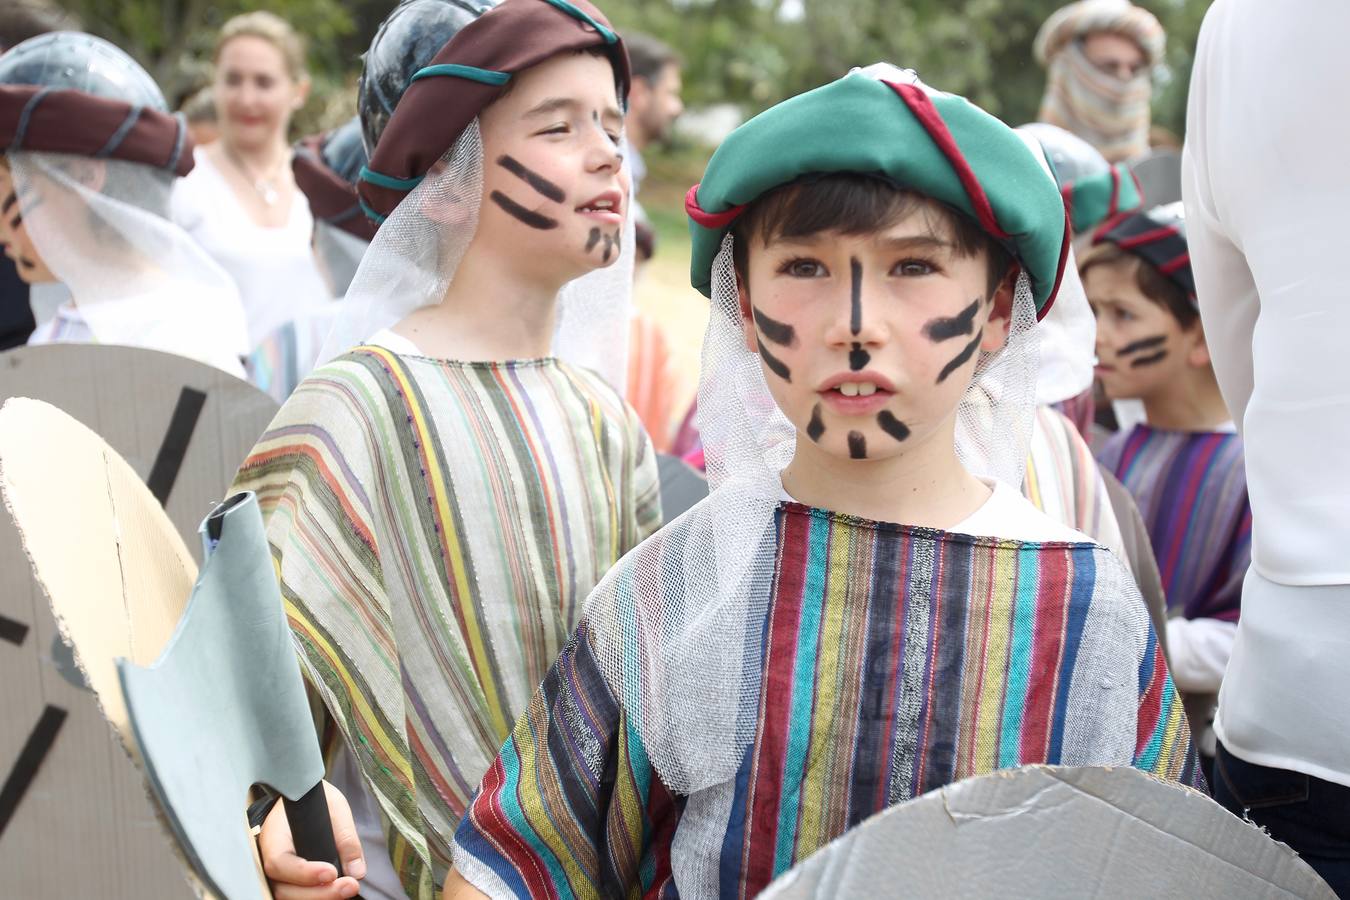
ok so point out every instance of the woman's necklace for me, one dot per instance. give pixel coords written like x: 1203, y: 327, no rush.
x: 264, y: 186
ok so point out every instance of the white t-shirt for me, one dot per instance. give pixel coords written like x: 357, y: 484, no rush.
x: 274, y: 268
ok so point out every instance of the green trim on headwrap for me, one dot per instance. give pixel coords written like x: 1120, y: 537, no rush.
x: 1096, y: 198
x: 472, y: 73
x: 399, y: 184
x: 937, y: 145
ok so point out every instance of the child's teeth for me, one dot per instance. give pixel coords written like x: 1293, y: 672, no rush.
x: 866, y: 389
x: 848, y: 389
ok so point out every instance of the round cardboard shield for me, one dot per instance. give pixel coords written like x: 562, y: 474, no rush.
x: 1050, y: 831
x: 74, y: 816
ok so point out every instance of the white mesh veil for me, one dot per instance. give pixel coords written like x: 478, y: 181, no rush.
x: 418, y: 248
x: 136, y: 278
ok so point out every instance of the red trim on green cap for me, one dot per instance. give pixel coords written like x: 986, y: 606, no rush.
x: 927, y: 115
x: 1114, y: 206
x: 715, y: 221
x: 1179, y: 262
x: 1147, y: 237
x: 1063, y: 264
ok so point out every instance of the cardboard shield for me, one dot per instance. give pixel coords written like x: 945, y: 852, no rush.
x: 1159, y: 176
x: 206, y: 696
x: 64, y: 784
x: 1051, y: 831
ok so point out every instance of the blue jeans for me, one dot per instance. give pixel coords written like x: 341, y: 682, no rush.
x: 1309, y: 814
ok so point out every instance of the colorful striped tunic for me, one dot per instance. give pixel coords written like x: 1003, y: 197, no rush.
x: 894, y: 660
x: 1191, y: 489
x: 435, y: 527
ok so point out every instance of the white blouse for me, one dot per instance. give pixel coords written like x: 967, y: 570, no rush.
x: 274, y: 268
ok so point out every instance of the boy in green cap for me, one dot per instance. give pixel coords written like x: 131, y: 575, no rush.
x: 785, y: 659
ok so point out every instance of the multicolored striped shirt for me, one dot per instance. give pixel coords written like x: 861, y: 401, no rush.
x: 436, y: 526
x: 894, y: 660
x: 1191, y: 489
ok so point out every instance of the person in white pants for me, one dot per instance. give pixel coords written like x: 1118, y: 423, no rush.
x: 1266, y: 186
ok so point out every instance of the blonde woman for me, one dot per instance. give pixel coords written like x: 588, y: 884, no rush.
x: 241, y: 203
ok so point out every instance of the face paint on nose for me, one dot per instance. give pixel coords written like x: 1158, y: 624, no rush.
x: 858, y: 358
x: 855, y: 317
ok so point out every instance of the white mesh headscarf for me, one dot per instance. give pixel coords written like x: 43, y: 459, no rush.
x: 417, y: 250
x: 677, y: 624
x: 136, y: 278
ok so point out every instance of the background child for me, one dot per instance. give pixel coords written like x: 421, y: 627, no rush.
x: 1184, y: 465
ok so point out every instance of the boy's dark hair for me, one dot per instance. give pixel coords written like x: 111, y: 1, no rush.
x: 648, y: 56
x: 856, y: 204
x: 1152, y: 283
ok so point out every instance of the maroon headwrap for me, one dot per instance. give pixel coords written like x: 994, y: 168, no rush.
x: 332, y: 198
x: 48, y: 120
x: 468, y: 74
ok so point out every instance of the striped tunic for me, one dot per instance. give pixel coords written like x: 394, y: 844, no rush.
x: 895, y: 660
x: 1191, y: 489
x: 436, y: 527
x: 1063, y: 481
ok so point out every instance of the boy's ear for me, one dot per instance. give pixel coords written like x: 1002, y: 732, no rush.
x: 996, y: 327
x: 747, y: 317
x: 1197, y: 357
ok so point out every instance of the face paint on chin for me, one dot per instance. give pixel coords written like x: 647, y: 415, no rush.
x: 892, y: 426
x: 816, y: 427
x: 857, y: 445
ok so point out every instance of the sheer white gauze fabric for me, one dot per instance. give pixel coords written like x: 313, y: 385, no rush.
x: 676, y: 625
x: 418, y: 248
x: 1069, y: 330
x: 136, y: 278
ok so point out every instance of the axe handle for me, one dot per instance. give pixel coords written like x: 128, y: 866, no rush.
x: 311, y: 829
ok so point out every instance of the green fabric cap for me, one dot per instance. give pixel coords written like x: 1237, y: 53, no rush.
x: 938, y: 145
x: 1105, y: 195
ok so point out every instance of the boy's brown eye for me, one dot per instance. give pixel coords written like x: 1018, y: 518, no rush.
x: 803, y: 268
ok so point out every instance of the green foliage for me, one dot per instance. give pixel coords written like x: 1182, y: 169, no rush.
x: 749, y: 52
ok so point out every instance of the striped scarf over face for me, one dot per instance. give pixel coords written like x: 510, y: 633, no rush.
x: 1110, y: 114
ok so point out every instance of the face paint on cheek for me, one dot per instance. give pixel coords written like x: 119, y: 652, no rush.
x: 528, y: 217
x: 857, y: 445
x: 533, y: 179
x: 780, y: 333
x: 961, y: 359
x: 1148, y: 343
x: 773, y: 363
x: 855, y: 311
x: 1148, y: 360
x: 892, y: 426
x: 944, y: 328
x: 858, y: 358
x: 816, y: 427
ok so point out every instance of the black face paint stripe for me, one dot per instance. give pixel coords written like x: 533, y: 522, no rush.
x: 960, y: 360
x: 1149, y: 360
x: 892, y: 426
x: 944, y: 328
x: 855, y: 319
x: 15, y: 632
x: 25, y: 771
x: 857, y: 445
x: 610, y: 241
x: 15, y: 222
x: 775, y: 365
x: 592, y: 239
x: 858, y: 358
x: 816, y: 427
x: 533, y: 179
x: 9, y: 202
x: 1147, y: 343
x: 529, y: 217
x: 781, y: 333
